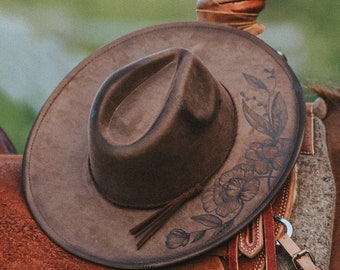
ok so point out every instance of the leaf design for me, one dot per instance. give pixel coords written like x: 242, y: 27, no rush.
x: 223, y: 229
x: 279, y: 115
x: 271, y: 72
x: 199, y: 236
x: 255, y: 120
x: 255, y: 82
x: 208, y: 220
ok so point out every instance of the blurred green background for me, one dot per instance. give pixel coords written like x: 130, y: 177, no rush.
x: 41, y: 41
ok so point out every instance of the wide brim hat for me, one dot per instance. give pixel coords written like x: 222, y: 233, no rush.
x: 269, y: 124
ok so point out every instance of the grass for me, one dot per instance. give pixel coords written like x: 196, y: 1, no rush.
x: 16, y: 119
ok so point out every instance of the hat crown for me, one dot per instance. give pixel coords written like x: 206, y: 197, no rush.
x: 161, y: 125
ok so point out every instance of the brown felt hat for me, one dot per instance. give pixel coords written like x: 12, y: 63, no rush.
x: 163, y: 144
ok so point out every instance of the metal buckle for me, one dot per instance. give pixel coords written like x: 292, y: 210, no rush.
x: 288, y: 225
x: 289, y: 232
x: 300, y: 254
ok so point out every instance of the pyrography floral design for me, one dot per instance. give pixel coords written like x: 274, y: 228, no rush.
x: 225, y: 199
x: 269, y: 155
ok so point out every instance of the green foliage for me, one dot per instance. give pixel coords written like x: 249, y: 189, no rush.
x: 16, y: 118
x: 156, y: 10
x: 320, y: 23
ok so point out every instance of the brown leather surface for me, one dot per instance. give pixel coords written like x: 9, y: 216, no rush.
x: 241, y: 13
x: 308, y: 145
x: 270, y: 237
x: 250, y: 6
x: 305, y: 261
x: 251, y: 240
x: 232, y: 257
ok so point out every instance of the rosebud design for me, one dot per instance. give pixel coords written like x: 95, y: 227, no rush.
x: 177, y: 238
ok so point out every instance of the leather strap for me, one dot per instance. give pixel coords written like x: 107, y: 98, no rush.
x: 241, y: 14
x: 307, y: 147
x: 251, y: 239
x: 300, y: 257
x: 269, y: 239
x: 233, y: 254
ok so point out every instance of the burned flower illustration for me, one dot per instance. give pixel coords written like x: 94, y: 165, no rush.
x: 230, y: 191
x: 268, y: 155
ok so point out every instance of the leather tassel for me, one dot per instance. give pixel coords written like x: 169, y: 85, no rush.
x: 147, y: 228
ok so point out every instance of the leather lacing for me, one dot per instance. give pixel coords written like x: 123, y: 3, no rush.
x: 147, y: 228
